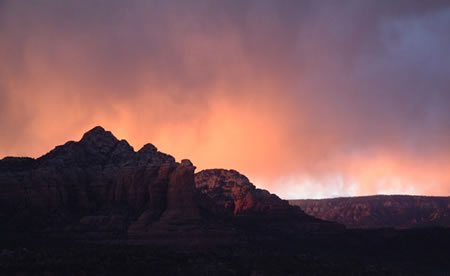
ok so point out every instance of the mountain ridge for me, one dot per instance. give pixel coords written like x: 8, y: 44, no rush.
x: 381, y: 211
x: 100, y: 184
x: 97, y: 206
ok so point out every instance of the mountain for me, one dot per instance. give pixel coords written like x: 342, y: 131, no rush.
x: 101, y: 185
x: 98, y: 207
x: 398, y: 211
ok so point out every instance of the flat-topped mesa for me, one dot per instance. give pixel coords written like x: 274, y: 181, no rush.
x: 389, y: 211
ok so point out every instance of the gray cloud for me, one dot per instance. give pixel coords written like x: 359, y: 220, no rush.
x: 343, y: 77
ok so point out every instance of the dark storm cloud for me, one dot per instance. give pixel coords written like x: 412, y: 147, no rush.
x: 327, y: 79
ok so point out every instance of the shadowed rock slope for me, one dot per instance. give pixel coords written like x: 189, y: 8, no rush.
x: 227, y: 193
x: 101, y: 185
x: 398, y: 211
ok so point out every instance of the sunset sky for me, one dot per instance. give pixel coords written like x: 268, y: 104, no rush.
x: 309, y: 99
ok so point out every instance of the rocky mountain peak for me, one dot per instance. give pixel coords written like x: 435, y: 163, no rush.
x: 148, y: 148
x: 97, y: 131
x: 102, y: 184
x: 100, y: 139
x: 186, y: 163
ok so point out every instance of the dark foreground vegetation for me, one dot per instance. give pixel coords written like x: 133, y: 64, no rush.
x: 354, y: 252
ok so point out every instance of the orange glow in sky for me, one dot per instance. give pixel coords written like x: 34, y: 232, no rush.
x: 303, y: 106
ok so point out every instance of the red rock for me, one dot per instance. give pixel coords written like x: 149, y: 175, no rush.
x: 181, y: 193
x: 398, y: 211
x: 102, y: 184
x: 234, y: 192
x: 97, y: 176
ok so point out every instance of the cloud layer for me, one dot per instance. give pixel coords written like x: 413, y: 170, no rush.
x: 307, y: 98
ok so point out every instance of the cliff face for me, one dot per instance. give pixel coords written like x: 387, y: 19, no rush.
x: 398, y: 211
x: 233, y: 194
x: 100, y: 184
x: 228, y: 193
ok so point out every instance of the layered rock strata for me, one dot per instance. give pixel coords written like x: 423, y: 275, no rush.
x: 101, y: 185
x: 381, y: 211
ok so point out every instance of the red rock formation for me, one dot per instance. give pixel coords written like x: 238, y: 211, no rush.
x: 102, y: 184
x: 233, y: 192
x: 97, y: 176
x: 399, y: 211
x: 230, y: 194
x: 181, y: 193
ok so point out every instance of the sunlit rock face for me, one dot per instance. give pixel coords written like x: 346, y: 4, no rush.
x: 227, y: 193
x: 398, y: 211
x: 101, y: 185
x: 233, y: 193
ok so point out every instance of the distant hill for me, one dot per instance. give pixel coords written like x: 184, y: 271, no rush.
x: 380, y: 211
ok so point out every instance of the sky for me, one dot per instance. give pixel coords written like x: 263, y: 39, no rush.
x: 309, y: 99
